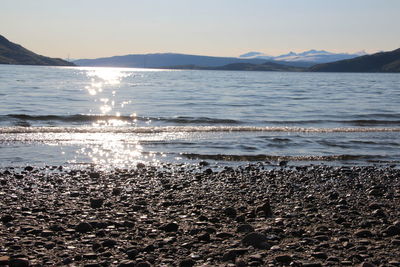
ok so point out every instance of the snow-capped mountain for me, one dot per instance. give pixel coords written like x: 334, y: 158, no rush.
x: 314, y: 56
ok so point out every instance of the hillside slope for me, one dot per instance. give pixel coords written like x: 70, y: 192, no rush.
x: 11, y: 53
x: 379, y: 62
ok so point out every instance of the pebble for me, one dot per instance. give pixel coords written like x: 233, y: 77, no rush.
x: 245, y: 228
x: 187, y: 263
x: 363, y: 233
x: 96, y: 203
x: 285, y: 259
x: 184, y: 215
x: 83, y: 227
x: 255, y: 239
x: 170, y: 227
x: 19, y: 262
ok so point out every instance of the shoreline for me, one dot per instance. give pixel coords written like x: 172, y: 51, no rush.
x: 313, y: 215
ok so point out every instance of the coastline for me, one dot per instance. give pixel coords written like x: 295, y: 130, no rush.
x: 195, y: 216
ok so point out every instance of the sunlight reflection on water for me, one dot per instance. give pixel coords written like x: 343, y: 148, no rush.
x: 107, y: 149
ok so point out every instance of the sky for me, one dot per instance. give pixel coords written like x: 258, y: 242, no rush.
x: 102, y: 28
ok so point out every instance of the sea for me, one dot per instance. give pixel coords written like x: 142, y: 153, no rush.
x: 125, y: 117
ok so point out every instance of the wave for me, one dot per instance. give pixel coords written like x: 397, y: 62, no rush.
x: 187, y: 129
x: 356, y: 122
x: 81, y: 118
x: 24, y: 119
x: 223, y: 157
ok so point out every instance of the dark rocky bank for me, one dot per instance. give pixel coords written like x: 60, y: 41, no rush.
x: 194, y: 216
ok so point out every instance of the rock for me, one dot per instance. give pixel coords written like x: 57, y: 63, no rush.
x: 28, y: 168
x: 392, y: 230
x: 208, y: 172
x: 116, y: 191
x: 240, y: 263
x: 4, y: 260
x: 187, y: 263
x: 204, y: 237
x: 224, y: 235
x: 395, y: 242
x: 256, y: 240
x: 363, y: 233
x: 109, y: 243
x: 265, y: 209
x: 7, y: 218
x: 285, y: 259
x: 19, y: 262
x: 170, y: 227
x: 132, y: 253
x: 96, y: 203
x: 230, y: 212
x: 311, y: 264
x: 140, y: 165
x: 319, y: 255
x: 47, y: 233
x: 126, y: 263
x: 203, y: 163
x: 83, y: 227
x: 367, y: 264
x: 94, y: 175
x: 245, y: 228
x: 230, y: 255
x: 92, y: 265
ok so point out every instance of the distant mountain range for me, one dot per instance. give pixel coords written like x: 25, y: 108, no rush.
x: 267, y: 66
x: 311, y: 56
x: 163, y: 60
x: 379, y: 62
x: 11, y: 53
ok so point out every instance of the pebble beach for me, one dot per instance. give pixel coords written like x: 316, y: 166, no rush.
x: 176, y: 215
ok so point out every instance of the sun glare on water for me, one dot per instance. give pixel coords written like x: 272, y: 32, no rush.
x: 105, y: 148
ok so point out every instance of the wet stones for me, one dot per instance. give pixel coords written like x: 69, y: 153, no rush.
x: 28, y: 168
x: 323, y: 216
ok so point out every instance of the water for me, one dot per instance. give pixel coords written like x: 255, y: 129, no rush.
x: 115, y: 117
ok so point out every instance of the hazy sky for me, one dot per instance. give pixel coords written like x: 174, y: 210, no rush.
x: 98, y: 28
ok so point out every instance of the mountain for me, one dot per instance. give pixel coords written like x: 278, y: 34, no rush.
x: 379, y: 62
x: 162, y: 60
x: 11, y: 53
x: 256, y: 55
x: 310, y: 56
x: 267, y: 66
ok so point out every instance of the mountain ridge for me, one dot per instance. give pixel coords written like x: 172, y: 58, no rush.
x: 378, y: 62
x: 312, y: 56
x: 12, y: 53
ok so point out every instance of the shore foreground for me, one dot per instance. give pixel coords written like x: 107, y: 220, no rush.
x: 194, y: 216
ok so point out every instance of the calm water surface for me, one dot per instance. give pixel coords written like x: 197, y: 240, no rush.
x: 117, y: 117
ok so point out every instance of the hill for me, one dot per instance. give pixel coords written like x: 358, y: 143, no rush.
x: 267, y: 66
x: 11, y: 53
x: 161, y: 60
x: 379, y: 62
